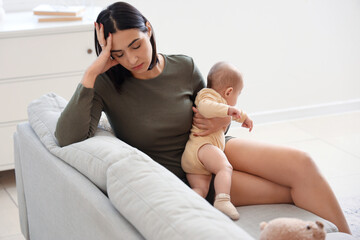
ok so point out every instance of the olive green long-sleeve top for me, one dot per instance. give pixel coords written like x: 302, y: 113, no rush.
x: 154, y: 115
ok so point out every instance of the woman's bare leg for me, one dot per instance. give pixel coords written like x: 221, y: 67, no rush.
x: 247, y: 189
x: 289, y: 173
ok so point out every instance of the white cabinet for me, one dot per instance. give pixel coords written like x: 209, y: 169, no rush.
x: 35, y: 59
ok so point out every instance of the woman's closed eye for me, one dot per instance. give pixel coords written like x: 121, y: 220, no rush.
x: 137, y: 47
x: 133, y: 47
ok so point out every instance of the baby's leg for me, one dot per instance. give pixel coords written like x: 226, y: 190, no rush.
x: 216, y: 162
x: 199, y: 183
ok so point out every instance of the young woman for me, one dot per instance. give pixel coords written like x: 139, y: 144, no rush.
x: 148, y: 99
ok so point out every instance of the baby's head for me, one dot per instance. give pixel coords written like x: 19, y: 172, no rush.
x: 226, y: 79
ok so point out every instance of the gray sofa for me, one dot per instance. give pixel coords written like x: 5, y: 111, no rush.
x: 101, y: 188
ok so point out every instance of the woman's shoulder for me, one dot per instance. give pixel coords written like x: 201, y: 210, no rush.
x: 179, y: 59
x: 103, y: 84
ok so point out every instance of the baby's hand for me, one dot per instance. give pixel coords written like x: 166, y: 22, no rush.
x: 234, y: 112
x: 248, y: 123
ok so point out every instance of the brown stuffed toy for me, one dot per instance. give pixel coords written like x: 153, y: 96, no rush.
x: 292, y: 228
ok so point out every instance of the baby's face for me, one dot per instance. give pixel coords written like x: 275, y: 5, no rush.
x: 232, y: 99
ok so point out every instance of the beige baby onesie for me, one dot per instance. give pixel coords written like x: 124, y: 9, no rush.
x: 210, y: 104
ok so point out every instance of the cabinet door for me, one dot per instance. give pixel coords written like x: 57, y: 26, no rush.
x: 15, y: 96
x: 14, y: 99
x: 45, y: 54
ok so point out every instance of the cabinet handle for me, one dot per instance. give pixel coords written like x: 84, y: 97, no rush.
x: 89, y: 51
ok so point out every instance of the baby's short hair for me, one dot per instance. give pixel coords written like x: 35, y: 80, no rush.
x: 223, y: 75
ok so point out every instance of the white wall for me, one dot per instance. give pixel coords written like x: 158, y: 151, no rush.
x: 293, y: 54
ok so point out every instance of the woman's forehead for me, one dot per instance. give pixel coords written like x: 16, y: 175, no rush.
x: 123, y: 38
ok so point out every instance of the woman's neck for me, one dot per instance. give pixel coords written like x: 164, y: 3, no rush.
x: 154, y: 72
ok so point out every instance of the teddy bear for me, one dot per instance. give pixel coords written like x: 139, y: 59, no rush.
x: 292, y: 228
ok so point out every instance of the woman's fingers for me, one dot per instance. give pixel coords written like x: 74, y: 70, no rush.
x: 102, y: 37
x: 113, y: 62
x: 97, y: 31
x: 201, y: 126
x: 200, y: 121
x: 108, y: 42
x: 197, y: 114
x: 100, y: 34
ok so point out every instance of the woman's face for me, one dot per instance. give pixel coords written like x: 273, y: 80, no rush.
x: 133, y: 50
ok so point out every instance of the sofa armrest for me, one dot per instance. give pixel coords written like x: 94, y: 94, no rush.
x: 60, y: 202
x: 161, y: 206
x: 24, y: 225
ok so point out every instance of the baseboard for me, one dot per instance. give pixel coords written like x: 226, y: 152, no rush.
x: 305, y: 112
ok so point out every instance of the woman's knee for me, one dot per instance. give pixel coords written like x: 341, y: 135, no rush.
x: 305, y: 167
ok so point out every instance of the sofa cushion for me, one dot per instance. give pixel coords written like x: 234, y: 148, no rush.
x: 91, y: 157
x: 161, y: 206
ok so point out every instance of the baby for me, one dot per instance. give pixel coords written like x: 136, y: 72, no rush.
x: 204, y: 156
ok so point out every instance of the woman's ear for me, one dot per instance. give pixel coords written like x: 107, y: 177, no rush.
x: 148, y: 26
x: 228, y: 91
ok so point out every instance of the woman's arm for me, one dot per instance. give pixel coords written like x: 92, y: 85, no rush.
x: 209, y: 125
x: 80, y: 118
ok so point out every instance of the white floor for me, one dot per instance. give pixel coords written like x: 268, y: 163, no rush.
x: 333, y: 141
x: 9, y: 218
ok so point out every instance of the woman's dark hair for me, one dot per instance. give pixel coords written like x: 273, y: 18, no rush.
x: 122, y: 16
